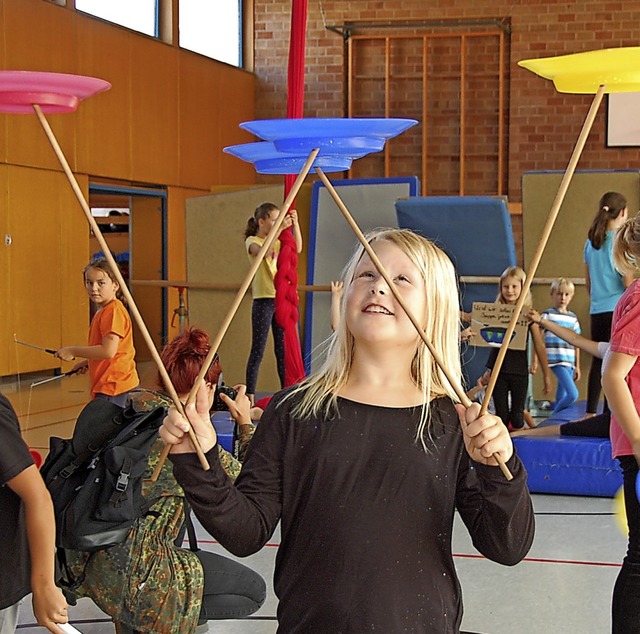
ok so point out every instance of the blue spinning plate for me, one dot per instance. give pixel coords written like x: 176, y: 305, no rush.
x: 354, y: 137
x: 267, y: 160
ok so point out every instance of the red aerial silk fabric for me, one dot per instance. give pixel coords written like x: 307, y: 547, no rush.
x: 286, y: 280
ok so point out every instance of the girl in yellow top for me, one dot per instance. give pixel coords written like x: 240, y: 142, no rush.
x: 263, y: 290
x: 109, y: 355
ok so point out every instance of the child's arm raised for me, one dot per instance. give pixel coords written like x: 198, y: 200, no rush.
x: 297, y: 234
x: 337, y: 288
x: 570, y: 336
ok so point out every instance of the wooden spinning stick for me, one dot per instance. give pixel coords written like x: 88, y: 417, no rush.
x: 460, y: 393
x: 546, y: 232
x: 268, y: 242
x: 117, y: 274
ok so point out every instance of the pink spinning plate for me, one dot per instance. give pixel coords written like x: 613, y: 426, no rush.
x: 55, y: 93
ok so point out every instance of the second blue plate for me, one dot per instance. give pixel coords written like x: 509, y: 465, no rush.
x: 268, y: 160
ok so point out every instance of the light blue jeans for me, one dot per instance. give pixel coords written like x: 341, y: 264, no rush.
x: 567, y: 392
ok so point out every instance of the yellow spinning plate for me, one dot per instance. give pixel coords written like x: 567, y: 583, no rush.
x: 618, y: 69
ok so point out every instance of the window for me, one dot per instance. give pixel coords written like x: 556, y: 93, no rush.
x: 212, y: 29
x: 138, y: 15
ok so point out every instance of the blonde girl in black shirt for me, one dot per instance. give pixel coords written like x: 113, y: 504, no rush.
x: 365, y: 463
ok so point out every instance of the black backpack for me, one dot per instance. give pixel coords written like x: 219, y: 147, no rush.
x: 95, y: 477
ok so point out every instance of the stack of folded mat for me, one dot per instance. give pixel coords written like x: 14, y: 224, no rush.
x: 569, y: 465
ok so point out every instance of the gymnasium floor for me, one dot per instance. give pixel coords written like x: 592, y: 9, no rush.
x: 564, y: 585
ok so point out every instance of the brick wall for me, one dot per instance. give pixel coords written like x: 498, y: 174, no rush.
x: 543, y: 124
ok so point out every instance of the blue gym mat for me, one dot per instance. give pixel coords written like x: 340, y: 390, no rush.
x: 476, y: 233
x: 569, y: 465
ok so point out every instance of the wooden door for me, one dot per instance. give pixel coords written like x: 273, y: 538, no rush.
x: 44, y: 249
x: 146, y: 263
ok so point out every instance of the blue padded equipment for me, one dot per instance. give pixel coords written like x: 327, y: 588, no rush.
x: 331, y: 243
x: 224, y: 424
x: 569, y: 465
x: 476, y: 233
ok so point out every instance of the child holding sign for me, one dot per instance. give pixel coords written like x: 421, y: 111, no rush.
x: 513, y: 377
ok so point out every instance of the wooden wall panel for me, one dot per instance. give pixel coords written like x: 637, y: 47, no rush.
x: 104, y: 148
x: 146, y: 264
x: 198, y: 78
x: 236, y: 106
x: 73, y: 256
x: 6, y: 340
x: 26, y: 143
x: 47, y: 302
x: 563, y: 255
x: 34, y: 284
x: 151, y: 126
x: 35, y: 52
x: 154, y: 112
x: 226, y: 96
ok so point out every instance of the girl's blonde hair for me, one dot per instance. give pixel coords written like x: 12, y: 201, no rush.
x: 626, y: 246
x: 562, y: 282
x: 320, y: 391
x: 521, y: 276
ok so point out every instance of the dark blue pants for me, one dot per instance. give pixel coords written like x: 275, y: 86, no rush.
x: 263, y: 319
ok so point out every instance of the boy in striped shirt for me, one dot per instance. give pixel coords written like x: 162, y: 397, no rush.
x: 564, y: 359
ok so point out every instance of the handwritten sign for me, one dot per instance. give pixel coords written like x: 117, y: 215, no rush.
x: 490, y: 322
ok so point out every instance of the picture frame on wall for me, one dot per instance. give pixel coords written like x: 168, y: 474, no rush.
x: 623, y: 119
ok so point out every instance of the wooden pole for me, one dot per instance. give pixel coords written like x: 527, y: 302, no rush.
x: 546, y: 232
x: 460, y: 393
x: 269, y: 240
x: 234, y: 286
x: 117, y: 274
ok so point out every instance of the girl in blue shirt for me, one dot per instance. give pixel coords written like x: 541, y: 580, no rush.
x: 604, y: 283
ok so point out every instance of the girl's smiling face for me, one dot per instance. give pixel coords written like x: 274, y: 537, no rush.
x: 372, y: 312
x: 510, y: 289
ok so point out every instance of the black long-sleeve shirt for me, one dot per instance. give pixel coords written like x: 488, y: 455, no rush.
x: 366, y: 515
